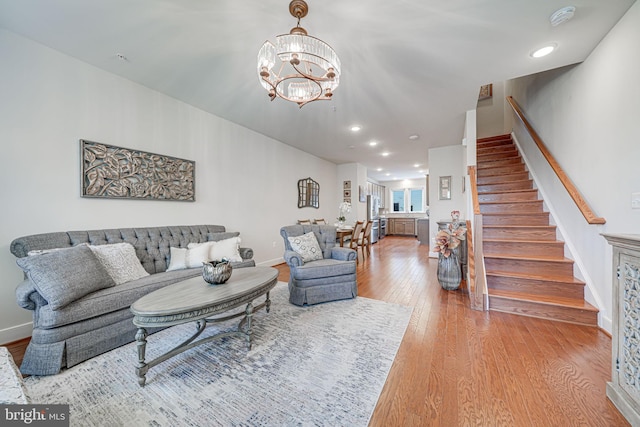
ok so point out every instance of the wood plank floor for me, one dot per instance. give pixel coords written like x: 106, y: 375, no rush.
x: 458, y: 367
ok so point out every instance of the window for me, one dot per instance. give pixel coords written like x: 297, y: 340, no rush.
x: 398, y: 200
x: 415, y: 200
x: 408, y: 200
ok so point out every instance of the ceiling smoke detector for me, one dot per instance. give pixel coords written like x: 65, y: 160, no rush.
x: 562, y: 15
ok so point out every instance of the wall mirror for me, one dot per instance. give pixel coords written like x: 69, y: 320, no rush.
x: 308, y: 193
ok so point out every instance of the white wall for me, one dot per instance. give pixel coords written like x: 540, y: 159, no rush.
x: 244, y: 180
x: 491, y: 113
x: 587, y: 115
x: 446, y: 161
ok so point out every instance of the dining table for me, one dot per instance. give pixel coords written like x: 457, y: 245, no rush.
x: 342, y: 232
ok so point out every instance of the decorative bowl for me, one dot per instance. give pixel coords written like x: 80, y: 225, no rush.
x: 216, y: 272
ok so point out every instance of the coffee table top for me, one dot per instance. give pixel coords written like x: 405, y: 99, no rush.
x: 194, y: 299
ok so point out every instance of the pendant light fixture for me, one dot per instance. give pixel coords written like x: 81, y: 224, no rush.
x: 298, y: 68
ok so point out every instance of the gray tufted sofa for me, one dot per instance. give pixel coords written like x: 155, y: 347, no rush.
x: 101, y: 320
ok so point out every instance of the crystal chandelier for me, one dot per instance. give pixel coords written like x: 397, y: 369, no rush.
x: 307, y: 69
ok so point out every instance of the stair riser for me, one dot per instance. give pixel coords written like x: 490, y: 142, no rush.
x: 500, y: 162
x: 501, y: 170
x: 535, y: 287
x: 550, y: 249
x: 523, y: 233
x: 525, y: 266
x: 506, y: 154
x: 508, y: 197
x: 515, y: 185
x: 481, y: 151
x: 543, y: 311
x: 521, y: 176
x: 504, y: 136
x: 494, y: 143
x: 520, y: 219
x: 532, y: 206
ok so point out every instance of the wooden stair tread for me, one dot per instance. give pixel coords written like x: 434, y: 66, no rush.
x: 527, y: 241
x: 541, y: 277
x: 563, y: 260
x: 526, y: 190
x: 513, y: 214
x: 533, y: 227
x: 541, y: 299
x: 505, y: 181
x: 504, y: 202
x: 494, y: 138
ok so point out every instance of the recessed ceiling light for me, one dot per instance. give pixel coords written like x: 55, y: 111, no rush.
x: 373, y: 143
x: 355, y: 128
x: 414, y: 136
x: 379, y: 169
x: 416, y: 165
x: 561, y: 16
x: 387, y: 174
x: 384, y: 153
x: 543, y: 51
x: 351, y: 147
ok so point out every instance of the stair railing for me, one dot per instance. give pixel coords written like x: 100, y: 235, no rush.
x: 478, y: 293
x: 582, y: 205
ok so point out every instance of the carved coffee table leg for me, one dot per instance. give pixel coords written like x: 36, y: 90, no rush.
x: 249, y: 316
x: 268, y: 302
x: 141, y: 367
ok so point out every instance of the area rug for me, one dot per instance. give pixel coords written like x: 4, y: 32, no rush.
x: 323, y: 365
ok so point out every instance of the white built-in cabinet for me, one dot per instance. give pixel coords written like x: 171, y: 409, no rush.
x: 624, y: 388
x: 379, y: 191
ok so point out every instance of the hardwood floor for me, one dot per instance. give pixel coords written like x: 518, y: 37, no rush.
x: 458, y: 367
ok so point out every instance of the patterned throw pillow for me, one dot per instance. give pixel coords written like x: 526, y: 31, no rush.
x: 307, y: 246
x: 120, y: 261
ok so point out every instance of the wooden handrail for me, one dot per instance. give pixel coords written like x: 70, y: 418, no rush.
x: 586, y: 211
x: 473, y: 178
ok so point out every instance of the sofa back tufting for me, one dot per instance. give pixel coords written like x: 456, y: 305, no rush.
x: 151, y: 243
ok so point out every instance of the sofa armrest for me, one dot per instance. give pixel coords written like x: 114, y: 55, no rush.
x: 293, y: 259
x: 28, y: 297
x: 246, y: 253
x: 343, y: 254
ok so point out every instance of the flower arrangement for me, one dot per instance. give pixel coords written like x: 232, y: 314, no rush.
x: 343, y: 209
x: 449, y: 239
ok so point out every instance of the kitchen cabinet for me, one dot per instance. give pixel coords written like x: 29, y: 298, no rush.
x: 624, y: 388
x: 379, y: 191
x: 402, y: 226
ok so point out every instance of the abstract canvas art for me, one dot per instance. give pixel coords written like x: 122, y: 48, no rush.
x: 122, y: 173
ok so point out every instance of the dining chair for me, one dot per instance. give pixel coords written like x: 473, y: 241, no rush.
x: 355, y: 238
x: 365, y: 241
x: 320, y: 221
x: 304, y: 222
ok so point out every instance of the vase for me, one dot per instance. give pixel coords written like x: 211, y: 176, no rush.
x: 449, y: 272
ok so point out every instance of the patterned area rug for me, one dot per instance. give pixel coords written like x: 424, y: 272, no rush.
x: 319, y: 365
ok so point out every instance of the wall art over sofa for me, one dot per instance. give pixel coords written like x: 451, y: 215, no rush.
x: 122, y: 173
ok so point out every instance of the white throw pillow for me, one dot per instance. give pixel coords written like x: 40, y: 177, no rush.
x: 307, y: 246
x: 191, y: 257
x: 228, y: 249
x: 120, y: 261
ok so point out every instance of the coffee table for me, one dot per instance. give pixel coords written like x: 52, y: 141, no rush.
x: 196, y: 300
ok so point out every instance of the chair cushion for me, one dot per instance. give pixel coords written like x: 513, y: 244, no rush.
x: 324, y: 268
x: 307, y: 246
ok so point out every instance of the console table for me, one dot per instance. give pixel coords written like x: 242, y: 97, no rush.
x: 624, y: 388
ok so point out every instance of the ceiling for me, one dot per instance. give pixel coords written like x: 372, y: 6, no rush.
x: 408, y: 67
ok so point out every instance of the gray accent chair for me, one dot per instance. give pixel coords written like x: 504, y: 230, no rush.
x: 329, y: 279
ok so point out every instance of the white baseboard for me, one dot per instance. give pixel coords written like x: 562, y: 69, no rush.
x: 16, y: 333
x: 270, y: 262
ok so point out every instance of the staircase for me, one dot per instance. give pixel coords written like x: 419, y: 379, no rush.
x: 527, y: 272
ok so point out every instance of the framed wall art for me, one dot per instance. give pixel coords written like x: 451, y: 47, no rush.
x: 114, y: 172
x: 444, y: 188
x: 486, y: 92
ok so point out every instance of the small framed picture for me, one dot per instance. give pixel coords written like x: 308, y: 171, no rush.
x: 346, y: 185
x: 444, y: 187
x: 346, y: 193
x: 486, y: 92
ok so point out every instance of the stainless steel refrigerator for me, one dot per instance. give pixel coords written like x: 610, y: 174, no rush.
x: 373, y: 207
